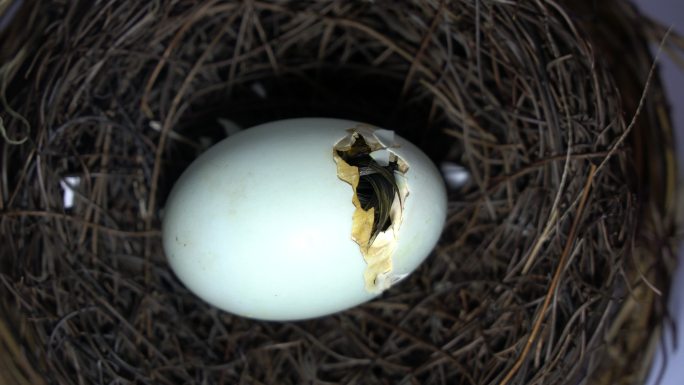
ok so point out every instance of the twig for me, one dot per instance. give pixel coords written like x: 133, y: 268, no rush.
x: 541, y: 314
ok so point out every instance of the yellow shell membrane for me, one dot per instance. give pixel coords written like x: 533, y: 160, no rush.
x: 377, y: 251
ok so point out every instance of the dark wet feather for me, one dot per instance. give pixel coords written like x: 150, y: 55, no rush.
x: 377, y: 185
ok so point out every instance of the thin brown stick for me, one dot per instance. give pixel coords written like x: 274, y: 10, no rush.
x: 555, y: 281
x: 81, y: 222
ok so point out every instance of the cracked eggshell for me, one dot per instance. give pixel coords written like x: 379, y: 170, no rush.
x: 260, y: 224
x: 424, y: 209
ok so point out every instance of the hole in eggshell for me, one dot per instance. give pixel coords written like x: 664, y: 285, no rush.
x: 377, y: 175
x: 377, y: 187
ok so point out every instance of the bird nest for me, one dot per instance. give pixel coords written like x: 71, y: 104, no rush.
x: 552, y: 267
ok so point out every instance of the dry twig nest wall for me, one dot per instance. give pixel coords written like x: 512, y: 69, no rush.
x: 541, y: 250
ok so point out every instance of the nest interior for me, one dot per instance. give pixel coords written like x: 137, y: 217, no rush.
x: 536, y: 261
